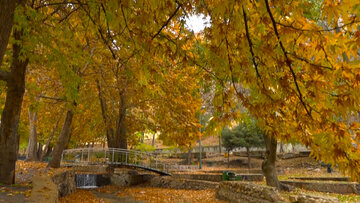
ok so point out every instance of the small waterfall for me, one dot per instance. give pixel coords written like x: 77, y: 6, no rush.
x: 86, y: 181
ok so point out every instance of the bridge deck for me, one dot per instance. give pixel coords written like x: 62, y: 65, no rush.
x: 113, y: 157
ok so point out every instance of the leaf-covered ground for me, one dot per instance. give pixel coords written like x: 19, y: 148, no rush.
x: 140, y: 194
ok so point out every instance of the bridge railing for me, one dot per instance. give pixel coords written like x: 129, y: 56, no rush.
x: 111, y: 156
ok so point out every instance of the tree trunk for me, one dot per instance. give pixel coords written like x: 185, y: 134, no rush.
x: 143, y: 137
x: 188, y: 160
x: 31, y: 153
x: 281, y: 150
x: 48, y: 152
x: 7, y: 8
x: 39, y: 151
x: 228, y: 158
x: 50, y: 138
x: 220, y: 145
x: 268, y: 166
x: 248, y: 153
x: 121, y: 124
x: 63, y: 138
x: 116, y: 138
x: 153, y: 140
x: 9, y: 140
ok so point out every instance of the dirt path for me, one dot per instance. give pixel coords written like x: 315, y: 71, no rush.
x: 14, y: 194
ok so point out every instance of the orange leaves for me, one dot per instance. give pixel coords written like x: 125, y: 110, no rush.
x: 151, y: 194
x: 323, y: 56
x: 82, y: 196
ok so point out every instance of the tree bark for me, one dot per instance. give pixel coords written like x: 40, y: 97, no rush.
x: 50, y: 138
x: 268, y: 166
x: 143, y: 137
x: 31, y: 153
x: 63, y: 138
x: 248, y: 153
x: 11, y: 114
x: 116, y: 137
x: 188, y: 160
x: 39, y: 151
x: 228, y: 158
x: 7, y: 9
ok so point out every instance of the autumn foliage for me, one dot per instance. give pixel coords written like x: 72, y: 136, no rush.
x: 118, y: 68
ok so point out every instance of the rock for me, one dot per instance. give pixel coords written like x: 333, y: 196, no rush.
x: 247, y: 192
x: 65, y: 182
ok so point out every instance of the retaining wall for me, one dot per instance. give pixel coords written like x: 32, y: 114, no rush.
x: 218, y: 177
x: 340, y: 188
x: 233, y: 191
x: 174, y: 183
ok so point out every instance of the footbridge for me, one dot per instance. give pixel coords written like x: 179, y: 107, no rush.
x: 113, y: 157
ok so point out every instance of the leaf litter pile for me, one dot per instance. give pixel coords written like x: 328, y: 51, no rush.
x: 152, y: 194
x: 147, y: 194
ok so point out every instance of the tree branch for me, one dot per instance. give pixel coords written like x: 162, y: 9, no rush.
x: 250, y: 45
x: 288, y: 62
x: 51, y: 98
x: 168, y: 20
x: 320, y: 30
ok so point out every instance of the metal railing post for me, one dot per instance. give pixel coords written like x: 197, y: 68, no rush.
x: 104, y: 155
x: 88, y: 159
x: 126, y: 157
x: 112, y: 159
x: 62, y: 157
x: 82, y: 155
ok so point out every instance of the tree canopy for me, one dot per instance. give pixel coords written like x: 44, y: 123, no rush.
x: 119, y: 67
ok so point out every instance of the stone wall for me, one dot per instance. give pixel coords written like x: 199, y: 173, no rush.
x: 233, y: 191
x: 340, y: 188
x: 126, y: 178
x: 65, y: 182
x: 304, y: 198
x: 218, y: 177
x: 48, y: 189
x: 206, y: 177
x: 174, y: 183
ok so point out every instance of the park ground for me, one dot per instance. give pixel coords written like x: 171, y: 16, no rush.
x: 302, y: 166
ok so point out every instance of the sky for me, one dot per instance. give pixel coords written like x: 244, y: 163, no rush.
x: 197, y: 23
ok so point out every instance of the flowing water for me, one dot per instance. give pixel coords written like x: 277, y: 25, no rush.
x: 86, y: 181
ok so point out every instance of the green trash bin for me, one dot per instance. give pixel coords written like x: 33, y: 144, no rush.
x: 231, y: 176
x: 225, y: 175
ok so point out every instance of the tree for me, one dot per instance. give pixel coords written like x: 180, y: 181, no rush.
x: 249, y: 135
x: 15, y: 83
x: 295, y: 72
x: 229, y: 141
x: 245, y: 134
